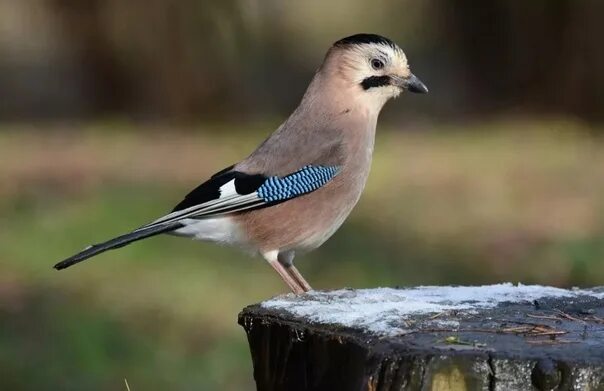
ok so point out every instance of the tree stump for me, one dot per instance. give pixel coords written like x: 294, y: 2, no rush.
x: 498, y: 337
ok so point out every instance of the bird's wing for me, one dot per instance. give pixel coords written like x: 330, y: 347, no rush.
x: 233, y: 191
x: 226, y: 192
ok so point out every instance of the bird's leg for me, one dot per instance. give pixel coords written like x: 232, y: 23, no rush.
x: 272, y: 258
x: 287, y: 260
x: 293, y: 271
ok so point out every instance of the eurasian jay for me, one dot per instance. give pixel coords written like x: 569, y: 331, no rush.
x: 296, y: 189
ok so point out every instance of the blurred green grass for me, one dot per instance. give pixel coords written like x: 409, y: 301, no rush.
x: 480, y: 203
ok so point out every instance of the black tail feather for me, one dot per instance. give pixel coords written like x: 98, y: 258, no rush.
x: 118, y: 242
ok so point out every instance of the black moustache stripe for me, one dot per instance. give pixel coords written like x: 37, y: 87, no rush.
x: 375, y: 81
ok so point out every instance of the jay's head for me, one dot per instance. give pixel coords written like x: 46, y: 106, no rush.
x: 372, y: 67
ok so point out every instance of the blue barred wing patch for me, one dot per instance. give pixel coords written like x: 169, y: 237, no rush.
x: 303, y: 181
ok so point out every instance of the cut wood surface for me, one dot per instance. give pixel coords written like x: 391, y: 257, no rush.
x: 497, y: 337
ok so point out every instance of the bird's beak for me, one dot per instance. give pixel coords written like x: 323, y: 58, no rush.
x: 411, y: 84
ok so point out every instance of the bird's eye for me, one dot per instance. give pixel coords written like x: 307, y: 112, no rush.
x: 377, y: 64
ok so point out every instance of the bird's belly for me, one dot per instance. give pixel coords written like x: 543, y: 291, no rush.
x: 303, y: 223
x: 319, y: 237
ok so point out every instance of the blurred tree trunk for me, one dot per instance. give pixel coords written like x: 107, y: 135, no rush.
x: 157, y: 57
x: 84, y: 27
x: 532, y: 56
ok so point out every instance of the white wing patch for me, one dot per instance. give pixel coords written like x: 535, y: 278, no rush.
x: 228, y: 189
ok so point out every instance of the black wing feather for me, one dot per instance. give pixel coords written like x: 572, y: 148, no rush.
x: 210, y: 190
x: 207, y: 191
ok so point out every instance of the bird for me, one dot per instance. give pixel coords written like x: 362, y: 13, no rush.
x: 298, y: 187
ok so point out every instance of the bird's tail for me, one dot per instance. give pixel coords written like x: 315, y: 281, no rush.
x: 118, y: 242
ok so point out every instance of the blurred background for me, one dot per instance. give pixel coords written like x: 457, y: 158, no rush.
x: 110, y: 111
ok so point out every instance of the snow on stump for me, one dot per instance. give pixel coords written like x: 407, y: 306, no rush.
x: 498, y: 337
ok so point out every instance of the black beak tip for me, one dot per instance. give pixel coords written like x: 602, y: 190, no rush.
x: 414, y: 84
x: 418, y: 87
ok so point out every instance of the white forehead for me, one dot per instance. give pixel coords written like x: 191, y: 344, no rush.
x: 392, y: 55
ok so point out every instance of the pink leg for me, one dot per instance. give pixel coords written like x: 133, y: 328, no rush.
x: 298, y: 277
x: 286, y: 259
x: 291, y: 282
